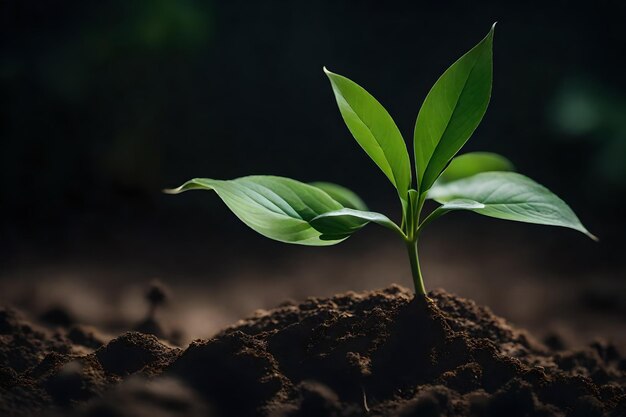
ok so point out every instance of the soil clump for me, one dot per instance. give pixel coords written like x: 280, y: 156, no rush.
x: 378, y: 353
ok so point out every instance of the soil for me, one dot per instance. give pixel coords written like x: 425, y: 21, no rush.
x: 379, y: 353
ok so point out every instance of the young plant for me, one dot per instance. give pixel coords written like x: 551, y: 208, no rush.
x: 320, y: 214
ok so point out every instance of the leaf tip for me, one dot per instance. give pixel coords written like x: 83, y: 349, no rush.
x: 489, y: 36
x: 581, y: 228
x: 592, y: 236
x: 171, y: 190
x: 326, y: 71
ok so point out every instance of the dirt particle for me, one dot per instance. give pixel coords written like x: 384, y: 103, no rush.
x: 587, y: 406
x: 57, y: 316
x: 555, y: 342
x: 233, y: 372
x: 140, y: 397
x: 516, y: 399
x: 84, y: 336
x: 431, y: 401
x: 132, y: 352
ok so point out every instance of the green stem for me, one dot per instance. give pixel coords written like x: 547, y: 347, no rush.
x: 432, y: 216
x: 418, y: 281
x: 418, y: 212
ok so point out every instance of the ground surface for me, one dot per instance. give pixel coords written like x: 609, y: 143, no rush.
x: 375, y: 353
x: 546, y: 282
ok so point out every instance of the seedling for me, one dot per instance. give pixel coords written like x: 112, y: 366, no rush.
x: 156, y: 296
x: 320, y: 214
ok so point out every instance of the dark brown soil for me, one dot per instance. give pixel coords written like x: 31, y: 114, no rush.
x: 379, y: 353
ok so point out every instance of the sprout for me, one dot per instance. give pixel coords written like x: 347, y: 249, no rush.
x: 322, y: 214
x: 157, y: 295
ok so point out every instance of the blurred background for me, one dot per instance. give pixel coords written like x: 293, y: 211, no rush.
x: 106, y: 103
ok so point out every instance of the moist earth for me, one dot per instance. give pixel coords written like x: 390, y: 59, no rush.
x: 378, y: 353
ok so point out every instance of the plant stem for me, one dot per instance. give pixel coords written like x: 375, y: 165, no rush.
x: 418, y: 281
x: 432, y: 216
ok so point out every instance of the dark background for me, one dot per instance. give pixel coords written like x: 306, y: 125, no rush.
x: 105, y: 103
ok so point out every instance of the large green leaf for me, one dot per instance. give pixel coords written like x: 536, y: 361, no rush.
x: 374, y: 129
x: 509, y: 196
x: 451, y: 111
x: 341, y: 194
x: 276, y: 207
x: 473, y: 163
x: 346, y: 221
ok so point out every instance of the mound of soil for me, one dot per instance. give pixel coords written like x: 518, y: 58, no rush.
x: 380, y: 353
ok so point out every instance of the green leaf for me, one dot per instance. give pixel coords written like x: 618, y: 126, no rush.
x: 374, y: 129
x: 341, y: 194
x: 474, y: 163
x: 509, y: 196
x: 346, y: 221
x: 459, y: 204
x: 451, y: 111
x: 276, y: 207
